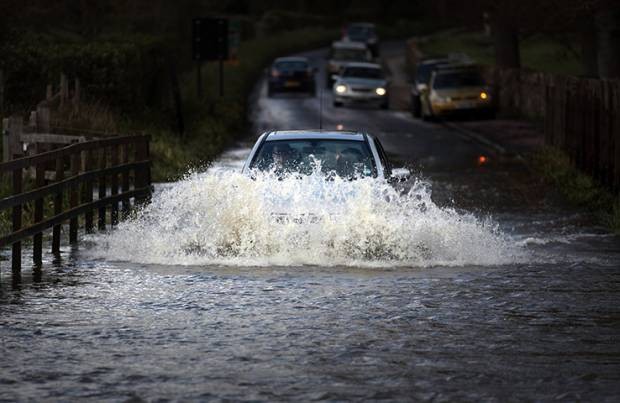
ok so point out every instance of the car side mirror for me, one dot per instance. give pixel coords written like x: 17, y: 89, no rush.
x: 400, y: 174
x: 423, y: 87
x: 335, y: 77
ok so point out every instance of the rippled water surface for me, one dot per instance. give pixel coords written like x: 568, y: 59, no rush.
x: 449, y: 306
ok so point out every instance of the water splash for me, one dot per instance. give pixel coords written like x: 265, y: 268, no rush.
x: 225, y: 218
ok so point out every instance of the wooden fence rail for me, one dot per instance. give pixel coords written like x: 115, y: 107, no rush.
x: 113, y: 164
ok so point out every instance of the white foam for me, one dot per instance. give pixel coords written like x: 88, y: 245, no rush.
x: 226, y: 218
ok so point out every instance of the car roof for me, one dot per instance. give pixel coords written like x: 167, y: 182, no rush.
x: 438, y: 60
x: 291, y: 59
x: 362, y: 64
x: 361, y: 24
x: 315, y: 135
x: 457, y: 68
x: 349, y: 45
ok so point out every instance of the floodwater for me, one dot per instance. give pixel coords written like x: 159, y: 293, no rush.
x: 463, y: 307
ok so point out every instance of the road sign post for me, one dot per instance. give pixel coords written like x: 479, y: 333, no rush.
x: 210, y: 43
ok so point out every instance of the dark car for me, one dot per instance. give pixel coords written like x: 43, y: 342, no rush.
x: 291, y: 74
x: 364, y: 32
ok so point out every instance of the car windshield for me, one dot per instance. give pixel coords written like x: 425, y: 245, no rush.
x: 360, y: 33
x: 424, y: 71
x: 349, y: 54
x: 343, y: 158
x: 362, y: 72
x: 291, y: 65
x: 457, y: 80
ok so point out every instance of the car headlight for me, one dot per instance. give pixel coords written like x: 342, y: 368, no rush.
x: 341, y: 88
x: 439, y: 99
x: 484, y: 95
x: 380, y: 91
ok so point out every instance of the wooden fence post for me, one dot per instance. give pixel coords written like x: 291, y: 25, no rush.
x: 88, y: 192
x: 102, y: 190
x: 114, y: 185
x: 43, y: 118
x: 5, y: 139
x: 73, y: 197
x: 1, y: 92
x: 16, y: 254
x: 615, y: 129
x: 32, y: 122
x: 64, y: 89
x: 13, y: 128
x: 126, y: 206
x: 143, y: 176
x: 60, y: 175
x: 549, y: 113
x: 76, y: 96
x: 37, y: 241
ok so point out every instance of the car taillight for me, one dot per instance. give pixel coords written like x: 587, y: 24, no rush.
x: 274, y: 73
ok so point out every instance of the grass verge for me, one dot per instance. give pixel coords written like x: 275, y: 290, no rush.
x: 538, y: 52
x: 578, y: 188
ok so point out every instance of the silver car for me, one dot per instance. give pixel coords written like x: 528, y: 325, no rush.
x: 361, y: 82
x: 346, y: 154
x: 341, y: 53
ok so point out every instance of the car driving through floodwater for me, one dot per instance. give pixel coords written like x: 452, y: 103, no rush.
x: 346, y: 154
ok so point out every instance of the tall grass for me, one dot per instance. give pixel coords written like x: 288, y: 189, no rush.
x: 538, y: 52
x: 578, y: 188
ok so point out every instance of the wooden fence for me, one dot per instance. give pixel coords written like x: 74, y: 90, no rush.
x: 99, y: 177
x: 581, y: 116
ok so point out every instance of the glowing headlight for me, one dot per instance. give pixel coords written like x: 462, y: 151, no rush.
x: 380, y: 91
x: 340, y: 88
x: 440, y: 100
x: 484, y: 95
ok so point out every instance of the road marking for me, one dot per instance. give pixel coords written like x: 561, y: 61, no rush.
x: 475, y: 136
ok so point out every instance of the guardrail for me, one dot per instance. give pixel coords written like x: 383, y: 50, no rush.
x: 97, y: 176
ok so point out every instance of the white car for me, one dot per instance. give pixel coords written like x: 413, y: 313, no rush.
x: 343, y: 52
x: 361, y: 82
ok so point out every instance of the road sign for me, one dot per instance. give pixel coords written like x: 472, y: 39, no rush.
x: 210, y: 39
x: 234, y: 39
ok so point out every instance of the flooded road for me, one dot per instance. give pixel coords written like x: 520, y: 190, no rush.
x: 484, y: 287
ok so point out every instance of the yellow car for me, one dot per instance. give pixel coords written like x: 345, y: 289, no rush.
x: 457, y: 91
